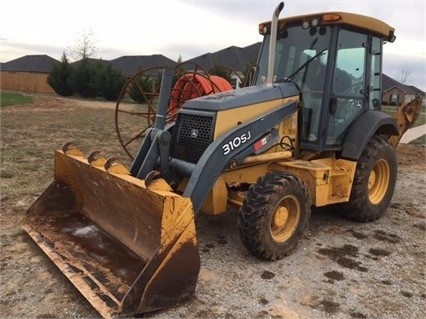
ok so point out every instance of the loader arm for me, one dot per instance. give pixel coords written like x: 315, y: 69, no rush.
x: 405, y: 116
x: 214, y: 160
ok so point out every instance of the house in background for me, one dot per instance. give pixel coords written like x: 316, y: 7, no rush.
x: 27, y: 74
x: 234, y: 58
x: 132, y: 64
x: 396, y: 93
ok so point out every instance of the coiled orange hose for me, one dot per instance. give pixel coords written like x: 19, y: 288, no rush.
x: 190, y: 86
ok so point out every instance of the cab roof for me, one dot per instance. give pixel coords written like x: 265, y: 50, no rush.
x: 362, y: 22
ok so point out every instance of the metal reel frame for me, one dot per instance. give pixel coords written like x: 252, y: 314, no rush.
x: 133, y: 117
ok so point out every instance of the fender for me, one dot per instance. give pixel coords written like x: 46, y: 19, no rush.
x: 362, y: 130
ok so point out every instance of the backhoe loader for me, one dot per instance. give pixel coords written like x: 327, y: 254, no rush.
x: 308, y: 132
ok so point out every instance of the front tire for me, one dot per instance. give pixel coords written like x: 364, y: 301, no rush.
x: 374, y: 182
x: 274, y: 215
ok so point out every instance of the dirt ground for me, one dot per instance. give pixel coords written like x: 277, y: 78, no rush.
x: 341, y: 269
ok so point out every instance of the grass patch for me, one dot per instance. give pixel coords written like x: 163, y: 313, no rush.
x: 419, y: 141
x: 421, y: 119
x: 7, y: 99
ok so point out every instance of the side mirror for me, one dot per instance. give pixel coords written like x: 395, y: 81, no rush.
x: 334, y: 103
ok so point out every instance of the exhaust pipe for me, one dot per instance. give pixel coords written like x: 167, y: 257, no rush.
x: 273, y: 43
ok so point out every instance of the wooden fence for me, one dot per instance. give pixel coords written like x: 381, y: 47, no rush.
x: 29, y: 82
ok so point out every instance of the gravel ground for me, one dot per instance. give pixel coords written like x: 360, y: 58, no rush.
x: 341, y: 269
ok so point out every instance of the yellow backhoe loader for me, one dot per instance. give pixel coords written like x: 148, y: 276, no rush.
x: 308, y: 132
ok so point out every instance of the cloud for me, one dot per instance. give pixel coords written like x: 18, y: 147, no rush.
x: 185, y: 27
x: 395, y: 63
x: 11, y: 50
x: 407, y: 17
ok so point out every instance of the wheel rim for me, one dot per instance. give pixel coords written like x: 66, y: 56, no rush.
x: 285, y: 218
x: 378, y: 181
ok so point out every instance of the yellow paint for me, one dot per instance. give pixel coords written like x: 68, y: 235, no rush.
x: 75, y: 152
x: 366, y: 23
x: 99, y: 162
x: 246, y: 174
x: 118, y: 168
x: 289, y: 128
x: 216, y: 201
x: 156, y: 225
x: 160, y: 185
x: 229, y: 119
x: 177, y: 216
x: 329, y: 180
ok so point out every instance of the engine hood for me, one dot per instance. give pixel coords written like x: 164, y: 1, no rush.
x: 245, y: 96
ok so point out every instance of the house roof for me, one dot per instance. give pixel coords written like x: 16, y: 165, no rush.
x: 131, y: 64
x: 388, y: 83
x: 30, y: 63
x: 233, y: 57
x: 253, y: 51
x: 416, y: 90
x: 104, y: 62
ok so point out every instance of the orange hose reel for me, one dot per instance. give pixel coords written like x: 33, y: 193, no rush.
x: 190, y: 86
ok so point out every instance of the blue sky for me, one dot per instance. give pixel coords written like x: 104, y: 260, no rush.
x: 190, y: 28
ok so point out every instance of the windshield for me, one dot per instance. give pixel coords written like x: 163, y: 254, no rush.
x: 300, y: 53
x: 301, y: 57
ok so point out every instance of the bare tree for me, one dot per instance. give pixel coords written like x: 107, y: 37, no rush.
x: 85, y: 46
x: 405, y: 72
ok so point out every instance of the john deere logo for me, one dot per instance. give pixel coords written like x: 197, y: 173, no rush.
x: 194, y: 133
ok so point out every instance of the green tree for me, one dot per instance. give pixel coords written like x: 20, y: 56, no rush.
x: 59, y: 77
x: 140, y: 89
x: 83, y: 78
x: 109, y: 81
x: 222, y: 71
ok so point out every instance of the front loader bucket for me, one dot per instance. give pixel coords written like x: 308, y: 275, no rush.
x: 126, y: 248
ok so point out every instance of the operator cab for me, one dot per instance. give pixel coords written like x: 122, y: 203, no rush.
x: 335, y: 59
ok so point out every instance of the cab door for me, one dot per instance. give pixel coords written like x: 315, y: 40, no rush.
x: 349, y: 94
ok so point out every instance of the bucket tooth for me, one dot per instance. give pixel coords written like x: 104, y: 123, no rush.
x: 95, y: 159
x: 151, y: 177
x: 70, y: 149
x: 153, y: 181
x: 113, y: 166
x: 160, y: 184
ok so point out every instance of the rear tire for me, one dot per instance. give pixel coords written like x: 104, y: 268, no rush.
x: 274, y: 215
x: 374, y: 182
